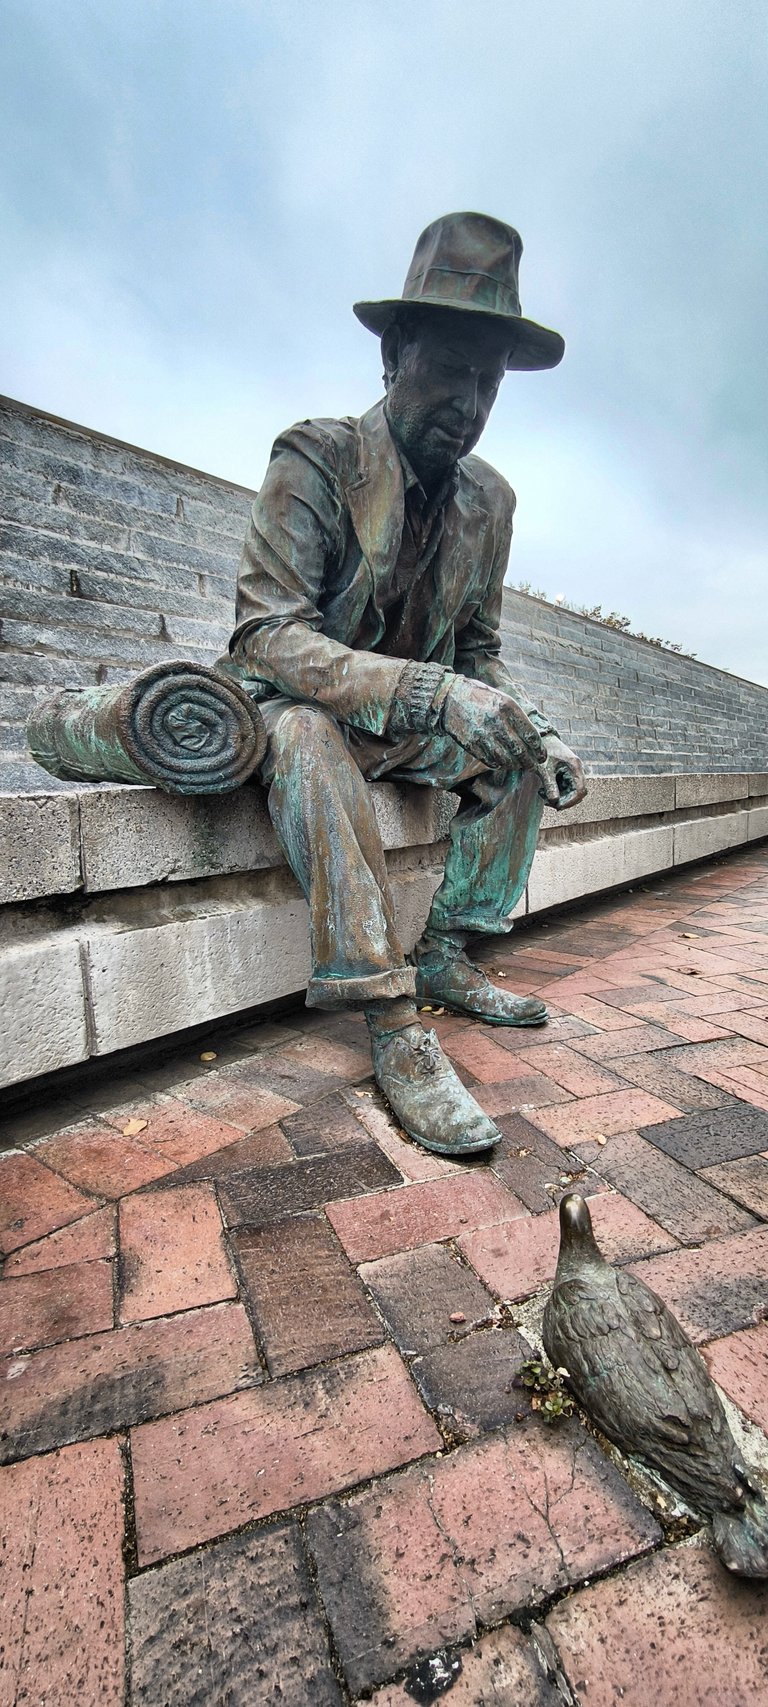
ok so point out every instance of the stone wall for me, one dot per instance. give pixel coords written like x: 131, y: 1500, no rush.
x: 112, y: 559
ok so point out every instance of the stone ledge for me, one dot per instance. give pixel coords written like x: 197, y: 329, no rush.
x: 100, y: 840
x: 84, y: 974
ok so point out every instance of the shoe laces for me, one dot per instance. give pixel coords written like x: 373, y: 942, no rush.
x: 428, y: 1052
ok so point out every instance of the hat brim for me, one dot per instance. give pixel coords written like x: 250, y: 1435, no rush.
x: 534, y: 346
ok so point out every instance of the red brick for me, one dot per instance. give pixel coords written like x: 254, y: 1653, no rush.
x: 749, y: 1025
x: 176, y: 1129
x: 742, y: 1082
x: 231, y: 1094
x: 386, y: 1222
x: 515, y: 1260
x: 61, y: 1614
x: 690, y: 1026
x: 266, y: 1148
x: 110, y: 1380
x: 716, y: 1290
x: 102, y: 1160
x: 739, y: 1364
x: 419, y: 1292
x: 387, y: 1578
x: 82, y: 1241
x: 59, y: 1304
x: 598, y: 1013
x: 527, y: 1090
x: 330, y: 1056
x: 616, y: 1111
x: 209, y: 1470
x: 172, y: 1254
x: 502, y: 1669
x: 480, y: 1054
x: 673, y: 1631
x: 238, y: 1623
x: 306, y: 1298
x: 411, y: 1161
x: 569, y: 1069
x: 531, y: 1511
x: 34, y: 1201
x: 634, y: 1041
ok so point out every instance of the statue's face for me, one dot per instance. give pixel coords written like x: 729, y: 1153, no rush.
x: 443, y: 373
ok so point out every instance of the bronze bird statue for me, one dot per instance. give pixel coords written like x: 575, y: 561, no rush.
x: 637, y: 1375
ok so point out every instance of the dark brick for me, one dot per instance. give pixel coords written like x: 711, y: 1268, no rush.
x: 110, y: 1380
x: 703, y: 1140
x: 745, y: 1179
x: 261, y: 1195
x: 305, y: 1295
x: 657, y: 1073
x: 324, y: 1127
x: 716, y: 1290
x: 238, y: 1624
x: 262, y: 1149
x: 680, y: 1201
x: 391, y: 1587
x: 419, y: 1291
x: 471, y: 1382
x: 529, y: 1162
x: 289, y: 1077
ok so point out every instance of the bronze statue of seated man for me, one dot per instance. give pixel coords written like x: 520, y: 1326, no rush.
x: 368, y: 605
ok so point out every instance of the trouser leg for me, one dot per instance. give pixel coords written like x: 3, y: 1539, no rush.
x: 323, y: 814
x: 492, y: 843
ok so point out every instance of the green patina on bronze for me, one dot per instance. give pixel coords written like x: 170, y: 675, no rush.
x: 368, y: 613
x: 178, y: 726
x: 638, y: 1376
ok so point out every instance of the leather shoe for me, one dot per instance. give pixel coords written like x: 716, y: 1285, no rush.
x: 453, y: 982
x: 427, y: 1096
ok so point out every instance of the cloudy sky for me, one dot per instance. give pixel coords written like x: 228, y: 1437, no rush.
x: 193, y: 192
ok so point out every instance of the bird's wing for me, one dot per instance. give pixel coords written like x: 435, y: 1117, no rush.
x: 628, y: 1359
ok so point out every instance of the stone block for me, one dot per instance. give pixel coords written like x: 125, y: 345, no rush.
x: 758, y: 783
x: 42, y: 1001
x: 569, y: 869
x: 707, y: 790
x: 133, y: 836
x: 699, y: 837
x: 617, y: 797
x: 757, y: 822
x: 39, y: 853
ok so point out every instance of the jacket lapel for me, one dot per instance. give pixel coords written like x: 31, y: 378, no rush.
x: 375, y: 496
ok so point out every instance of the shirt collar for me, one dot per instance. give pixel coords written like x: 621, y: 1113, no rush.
x: 414, y: 489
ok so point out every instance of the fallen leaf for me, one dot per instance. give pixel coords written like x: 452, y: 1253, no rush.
x: 425, y: 1010
x: 133, y: 1127
x: 689, y: 936
x: 598, y: 1138
x: 209, y: 1055
x: 437, y: 1012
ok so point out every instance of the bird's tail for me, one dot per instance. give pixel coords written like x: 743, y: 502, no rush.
x: 741, y: 1537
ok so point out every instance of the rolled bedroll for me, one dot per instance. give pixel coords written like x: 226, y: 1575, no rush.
x: 178, y: 726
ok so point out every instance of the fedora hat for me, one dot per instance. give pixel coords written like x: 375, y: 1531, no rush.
x: 469, y: 262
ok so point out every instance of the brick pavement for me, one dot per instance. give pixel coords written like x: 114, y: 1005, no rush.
x: 260, y: 1428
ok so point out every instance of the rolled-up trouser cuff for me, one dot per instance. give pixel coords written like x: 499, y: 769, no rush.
x: 375, y: 987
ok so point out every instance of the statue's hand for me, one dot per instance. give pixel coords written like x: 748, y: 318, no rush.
x: 563, y: 781
x: 493, y: 728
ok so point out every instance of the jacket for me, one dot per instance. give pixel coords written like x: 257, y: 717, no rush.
x: 323, y: 538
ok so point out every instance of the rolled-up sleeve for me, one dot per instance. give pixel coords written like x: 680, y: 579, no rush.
x: 295, y: 539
